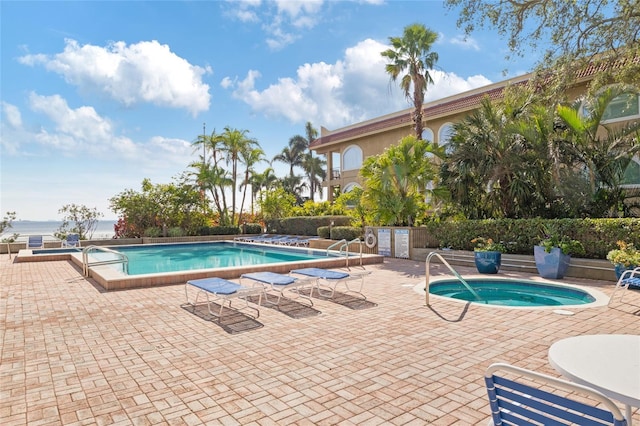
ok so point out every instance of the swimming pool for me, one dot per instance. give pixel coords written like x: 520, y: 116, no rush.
x: 512, y: 293
x: 282, y: 260
x: 160, y: 258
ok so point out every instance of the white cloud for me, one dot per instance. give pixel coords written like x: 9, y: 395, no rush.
x: 143, y: 72
x: 11, y: 115
x: 465, y: 42
x: 82, y: 132
x: 353, y: 89
x: 282, y: 20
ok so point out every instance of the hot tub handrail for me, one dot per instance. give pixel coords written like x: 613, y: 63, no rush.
x: 120, y: 258
x: 453, y: 271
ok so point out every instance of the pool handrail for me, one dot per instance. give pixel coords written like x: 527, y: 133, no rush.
x: 453, y: 271
x: 340, y: 243
x: 346, y: 247
x: 120, y: 258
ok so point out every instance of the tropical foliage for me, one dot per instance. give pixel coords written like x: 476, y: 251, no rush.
x: 519, y: 158
x: 396, y: 181
x: 160, y: 206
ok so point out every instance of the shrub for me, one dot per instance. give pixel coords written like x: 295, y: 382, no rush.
x: 252, y: 228
x: 305, y: 225
x: 175, y: 231
x: 153, y: 232
x: 324, y: 232
x: 345, y: 233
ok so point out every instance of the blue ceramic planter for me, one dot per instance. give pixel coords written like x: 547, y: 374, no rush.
x: 552, y: 265
x: 620, y: 268
x: 488, y: 262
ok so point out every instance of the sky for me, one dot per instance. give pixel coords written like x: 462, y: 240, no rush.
x: 96, y: 96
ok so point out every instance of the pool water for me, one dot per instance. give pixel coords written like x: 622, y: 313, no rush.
x: 159, y: 258
x: 506, y: 292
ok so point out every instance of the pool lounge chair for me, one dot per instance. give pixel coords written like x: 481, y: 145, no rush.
x: 332, y: 279
x: 72, y: 240
x: 35, y: 242
x: 222, y: 291
x: 531, y: 399
x: 279, y: 283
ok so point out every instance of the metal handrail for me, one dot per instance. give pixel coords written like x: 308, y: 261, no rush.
x: 120, y: 258
x: 341, y: 243
x: 453, y: 271
x: 346, y: 246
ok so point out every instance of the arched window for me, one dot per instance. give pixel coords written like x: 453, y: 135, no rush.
x: 352, y: 158
x: 350, y: 186
x: 427, y: 134
x: 444, y: 134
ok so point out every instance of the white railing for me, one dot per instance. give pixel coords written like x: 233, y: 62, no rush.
x: 453, y: 271
x: 119, y: 258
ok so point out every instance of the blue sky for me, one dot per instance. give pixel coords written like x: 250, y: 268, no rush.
x: 97, y: 96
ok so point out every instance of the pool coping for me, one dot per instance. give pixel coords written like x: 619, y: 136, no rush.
x: 601, y: 299
x: 111, y: 279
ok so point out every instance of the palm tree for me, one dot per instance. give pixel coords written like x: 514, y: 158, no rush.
x: 293, y: 154
x: 396, y: 181
x: 310, y: 164
x: 492, y: 169
x: 412, y: 54
x: 250, y: 157
x: 234, y: 143
x: 259, y: 181
x: 315, y: 168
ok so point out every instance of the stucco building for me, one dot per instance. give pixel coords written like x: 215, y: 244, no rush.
x: 347, y: 147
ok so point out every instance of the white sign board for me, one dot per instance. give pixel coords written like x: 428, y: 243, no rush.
x: 384, y: 242
x: 401, y: 239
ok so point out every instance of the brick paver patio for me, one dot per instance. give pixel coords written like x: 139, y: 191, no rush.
x: 73, y: 354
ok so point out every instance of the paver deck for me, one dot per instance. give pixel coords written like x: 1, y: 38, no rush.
x: 74, y: 354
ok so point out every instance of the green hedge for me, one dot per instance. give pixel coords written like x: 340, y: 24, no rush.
x: 305, y: 225
x: 252, y: 228
x: 219, y: 230
x: 520, y: 235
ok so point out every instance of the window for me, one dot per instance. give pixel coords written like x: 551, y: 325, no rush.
x: 427, y: 134
x: 631, y: 177
x: 352, y: 158
x: 350, y: 186
x: 444, y: 135
x: 623, y: 107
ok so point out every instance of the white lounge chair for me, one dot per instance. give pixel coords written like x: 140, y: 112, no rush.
x: 332, y: 279
x: 279, y: 283
x: 222, y: 291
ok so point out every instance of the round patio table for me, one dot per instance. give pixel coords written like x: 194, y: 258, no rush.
x: 609, y: 363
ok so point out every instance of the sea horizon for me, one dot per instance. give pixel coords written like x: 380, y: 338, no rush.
x: 104, y: 228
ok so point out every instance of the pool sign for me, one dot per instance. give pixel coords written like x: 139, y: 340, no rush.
x: 401, y: 239
x: 384, y: 242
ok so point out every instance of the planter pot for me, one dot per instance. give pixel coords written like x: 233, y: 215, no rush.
x: 620, y: 268
x: 552, y: 265
x: 488, y: 262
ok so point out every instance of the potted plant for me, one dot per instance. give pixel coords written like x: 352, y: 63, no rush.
x: 553, y: 254
x: 487, y: 255
x: 626, y: 256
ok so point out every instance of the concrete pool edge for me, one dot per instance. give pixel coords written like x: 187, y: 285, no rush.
x: 601, y: 299
x: 110, y: 278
